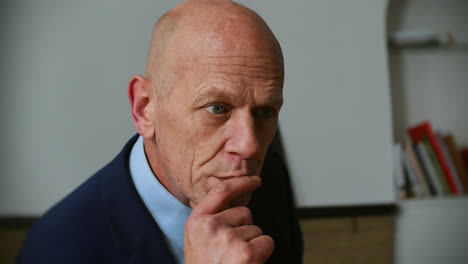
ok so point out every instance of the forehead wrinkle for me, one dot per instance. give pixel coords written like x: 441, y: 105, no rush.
x: 273, y: 83
x: 240, y: 71
x: 267, y: 60
x: 265, y: 64
x: 240, y: 94
x: 260, y: 71
x: 215, y: 91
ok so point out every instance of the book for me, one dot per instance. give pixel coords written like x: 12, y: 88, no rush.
x: 436, y: 164
x: 414, y: 189
x: 413, y: 163
x: 429, y: 169
x: 457, y: 159
x: 425, y: 172
x: 398, y: 173
x: 450, y: 162
x: 417, y: 133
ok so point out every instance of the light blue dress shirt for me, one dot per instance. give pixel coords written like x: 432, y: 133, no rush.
x: 167, y: 211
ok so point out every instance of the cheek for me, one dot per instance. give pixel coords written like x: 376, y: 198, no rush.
x: 206, y: 159
x: 207, y: 142
x: 190, y: 146
x: 173, y: 139
x: 207, y: 138
x: 175, y: 159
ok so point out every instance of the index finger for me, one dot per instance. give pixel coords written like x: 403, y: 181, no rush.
x: 220, y: 196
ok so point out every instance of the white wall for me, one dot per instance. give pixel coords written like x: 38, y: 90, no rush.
x: 431, y: 84
x: 336, y: 121
x: 65, y: 66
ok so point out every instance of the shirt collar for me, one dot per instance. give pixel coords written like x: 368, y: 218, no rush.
x: 167, y: 211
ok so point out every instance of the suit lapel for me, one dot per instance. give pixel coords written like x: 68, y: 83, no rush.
x: 134, y: 230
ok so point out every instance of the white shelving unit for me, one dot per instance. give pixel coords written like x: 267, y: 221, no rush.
x: 432, y: 231
x: 431, y: 83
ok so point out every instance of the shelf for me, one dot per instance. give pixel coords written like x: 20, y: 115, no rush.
x: 436, y: 200
x: 463, y: 47
x: 432, y: 231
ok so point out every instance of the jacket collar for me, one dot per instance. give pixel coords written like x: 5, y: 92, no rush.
x: 134, y: 230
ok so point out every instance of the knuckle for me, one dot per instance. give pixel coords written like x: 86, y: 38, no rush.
x: 210, y: 225
x: 230, y: 236
x: 244, y: 214
x: 207, y: 224
x: 244, y: 211
x: 258, y: 230
x: 246, y: 253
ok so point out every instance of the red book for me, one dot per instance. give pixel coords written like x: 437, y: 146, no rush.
x: 425, y: 130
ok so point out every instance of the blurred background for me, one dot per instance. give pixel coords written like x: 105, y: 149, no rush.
x: 359, y: 76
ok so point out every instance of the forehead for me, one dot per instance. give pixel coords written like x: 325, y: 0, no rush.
x: 245, y: 59
x: 257, y: 70
x: 223, y: 35
x: 236, y: 79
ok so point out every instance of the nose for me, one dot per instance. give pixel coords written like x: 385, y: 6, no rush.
x: 242, y: 137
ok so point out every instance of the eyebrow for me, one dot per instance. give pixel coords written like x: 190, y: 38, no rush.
x: 223, y: 95
x: 212, y: 92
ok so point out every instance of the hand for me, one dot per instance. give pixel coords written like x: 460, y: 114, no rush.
x: 214, y: 234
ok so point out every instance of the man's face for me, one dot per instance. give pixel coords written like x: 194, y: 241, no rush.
x: 217, y: 120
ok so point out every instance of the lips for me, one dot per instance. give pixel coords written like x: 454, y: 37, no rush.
x: 224, y: 178
x: 232, y: 175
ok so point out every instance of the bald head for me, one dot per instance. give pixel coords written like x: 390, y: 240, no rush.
x: 198, y: 28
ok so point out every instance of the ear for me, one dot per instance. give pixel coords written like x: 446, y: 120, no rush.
x: 141, y: 102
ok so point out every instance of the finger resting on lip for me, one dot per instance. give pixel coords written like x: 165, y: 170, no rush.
x: 263, y: 247
x: 248, y: 232
x: 221, y: 195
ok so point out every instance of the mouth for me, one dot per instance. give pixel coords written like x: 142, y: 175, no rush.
x: 225, y: 178
x: 228, y: 177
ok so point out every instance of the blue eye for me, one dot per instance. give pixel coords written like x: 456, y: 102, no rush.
x: 217, y: 109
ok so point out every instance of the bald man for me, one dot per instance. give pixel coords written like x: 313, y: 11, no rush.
x: 206, y: 112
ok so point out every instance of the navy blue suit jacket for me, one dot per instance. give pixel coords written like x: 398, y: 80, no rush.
x: 105, y: 221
